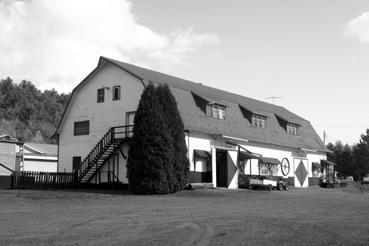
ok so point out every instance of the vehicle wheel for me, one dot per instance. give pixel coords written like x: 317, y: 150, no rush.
x: 285, y: 186
x: 269, y: 187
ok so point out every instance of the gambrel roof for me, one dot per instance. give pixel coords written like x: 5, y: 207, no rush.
x: 235, y: 124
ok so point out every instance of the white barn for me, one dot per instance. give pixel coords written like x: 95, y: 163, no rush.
x: 226, y: 134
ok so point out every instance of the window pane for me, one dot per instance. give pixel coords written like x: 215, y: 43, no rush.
x: 116, y: 93
x: 292, y: 129
x: 215, y: 111
x: 81, y: 128
x: 258, y: 121
x: 264, y: 169
x: 221, y: 113
x: 100, y: 95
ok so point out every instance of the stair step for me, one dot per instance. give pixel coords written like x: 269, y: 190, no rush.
x: 101, y: 157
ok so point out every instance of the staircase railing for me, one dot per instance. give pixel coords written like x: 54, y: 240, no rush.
x: 113, y: 134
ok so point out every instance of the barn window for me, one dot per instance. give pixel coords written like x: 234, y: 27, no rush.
x: 116, y: 92
x: 81, y: 128
x: 258, y: 121
x: 292, y: 129
x: 264, y: 170
x: 100, y: 95
x: 217, y: 111
x: 273, y: 170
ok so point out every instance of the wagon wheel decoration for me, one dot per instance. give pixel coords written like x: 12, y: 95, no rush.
x: 285, y: 166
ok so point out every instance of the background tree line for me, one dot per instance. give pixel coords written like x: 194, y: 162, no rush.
x: 28, y: 113
x: 351, y: 160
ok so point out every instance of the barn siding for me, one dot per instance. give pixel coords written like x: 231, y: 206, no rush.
x: 102, y: 116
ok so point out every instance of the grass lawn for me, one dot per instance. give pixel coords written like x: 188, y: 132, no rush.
x: 312, y: 216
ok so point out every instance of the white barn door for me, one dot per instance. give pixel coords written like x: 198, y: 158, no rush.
x: 301, y: 174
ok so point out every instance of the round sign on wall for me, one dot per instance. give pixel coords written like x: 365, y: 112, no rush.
x: 285, y: 166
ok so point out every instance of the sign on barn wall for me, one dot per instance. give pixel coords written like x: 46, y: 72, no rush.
x: 299, y: 153
x: 301, y: 177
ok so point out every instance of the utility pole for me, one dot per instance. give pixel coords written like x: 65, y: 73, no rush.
x: 324, y: 137
x: 273, y: 98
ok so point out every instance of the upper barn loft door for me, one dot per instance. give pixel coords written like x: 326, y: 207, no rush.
x: 301, y: 177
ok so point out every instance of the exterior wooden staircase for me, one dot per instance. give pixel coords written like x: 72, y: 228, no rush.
x: 102, y: 151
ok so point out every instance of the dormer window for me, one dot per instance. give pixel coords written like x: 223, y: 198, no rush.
x: 217, y: 111
x: 292, y: 129
x: 258, y: 121
x: 210, y: 107
x: 256, y: 117
x: 289, y: 125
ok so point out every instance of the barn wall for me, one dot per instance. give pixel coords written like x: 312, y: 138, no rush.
x: 199, y: 171
x: 102, y: 116
x: 280, y: 154
x: 198, y: 141
x: 202, y: 141
x: 120, y: 169
x: 268, y: 152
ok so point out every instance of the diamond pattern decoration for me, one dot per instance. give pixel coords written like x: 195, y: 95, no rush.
x: 301, y: 173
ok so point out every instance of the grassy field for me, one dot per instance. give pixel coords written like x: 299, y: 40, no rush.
x: 202, y: 217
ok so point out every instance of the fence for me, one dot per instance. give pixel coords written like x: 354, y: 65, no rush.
x: 28, y: 179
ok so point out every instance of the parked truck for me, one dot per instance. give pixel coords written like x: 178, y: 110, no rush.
x: 268, y: 184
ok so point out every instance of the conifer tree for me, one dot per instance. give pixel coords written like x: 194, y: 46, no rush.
x: 361, y: 156
x: 175, y: 128
x: 151, y: 148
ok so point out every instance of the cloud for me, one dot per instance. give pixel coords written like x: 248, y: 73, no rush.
x: 358, y: 28
x: 182, y: 43
x: 57, y: 43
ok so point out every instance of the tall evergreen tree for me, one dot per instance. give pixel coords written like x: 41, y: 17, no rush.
x: 175, y: 126
x: 151, y: 150
x: 180, y: 162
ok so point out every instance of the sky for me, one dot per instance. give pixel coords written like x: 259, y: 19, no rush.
x: 311, y: 54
